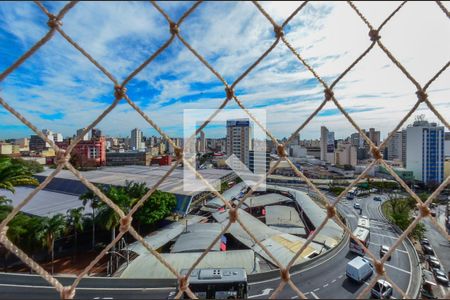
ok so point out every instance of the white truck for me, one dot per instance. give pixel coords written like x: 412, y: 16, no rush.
x: 359, y: 269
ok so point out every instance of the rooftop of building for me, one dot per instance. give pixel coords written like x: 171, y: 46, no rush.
x: 117, y: 176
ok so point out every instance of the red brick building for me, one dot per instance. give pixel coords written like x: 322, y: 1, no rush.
x: 165, y: 160
x: 87, y: 154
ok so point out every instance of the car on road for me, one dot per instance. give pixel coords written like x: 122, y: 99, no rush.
x: 383, y: 250
x: 434, y: 262
x: 377, y: 198
x: 359, y: 269
x: 381, y: 290
x: 440, y: 276
x: 427, y: 249
x: 356, y: 205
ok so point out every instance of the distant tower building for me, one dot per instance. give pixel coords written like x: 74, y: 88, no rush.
x: 374, y: 136
x: 57, y: 137
x: 327, y: 145
x: 239, y: 139
x: 425, y: 151
x: 136, y: 139
x: 394, y: 147
x: 202, y: 147
x: 96, y: 133
x: 86, y: 137
x: 323, y: 143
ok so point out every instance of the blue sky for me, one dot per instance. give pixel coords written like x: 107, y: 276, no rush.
x: 59, y: 89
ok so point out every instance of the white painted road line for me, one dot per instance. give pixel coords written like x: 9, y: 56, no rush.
x: 325, y: 285
x: 378, y: 245
x: 85, y: 288
x: 391, y: 266
x: 388, y: 236
x: 315, y: 290
x: 314, y: 295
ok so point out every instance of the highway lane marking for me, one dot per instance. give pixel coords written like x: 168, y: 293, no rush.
x: 84, y: 288
x: 388, y: 236
x: 403, y: 251
x: 314, y: 295
x: 333, y: 281
x: 325, y: 285
x: 391, y: 266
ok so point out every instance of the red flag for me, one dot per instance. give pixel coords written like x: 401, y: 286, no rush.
x: 223, y: 247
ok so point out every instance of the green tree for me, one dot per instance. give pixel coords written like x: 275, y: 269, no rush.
x: 157, y: 207
x: 94, y: 200
x: 33, y: 166
x: 14, y: 174
x: 75, y: 221
x: 50, y: 230
x: 106, y: 215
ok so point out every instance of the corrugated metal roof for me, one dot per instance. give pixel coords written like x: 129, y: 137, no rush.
x: 44, y: 203
x: 290, y: 230
x: 266, y: 199
x: 281, y: 245
x: 148, y: 174
x: 147, y: 266
x: 162, y: 236
x: 216, y: 202
x: 285, y: 216
x: 198, y: 238
x: 331, y: 233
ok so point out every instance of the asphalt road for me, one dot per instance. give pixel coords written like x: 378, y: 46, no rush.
x: 329, y: 280
x: 440, y: 244
x: 326, y: 280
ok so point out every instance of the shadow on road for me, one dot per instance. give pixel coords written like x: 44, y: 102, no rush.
x: 351, y: 286
x: 350, y: 255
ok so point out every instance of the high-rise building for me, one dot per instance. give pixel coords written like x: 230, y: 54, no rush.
x: 259, y: 161
x: 404, y: 147
x: 447, y: 144
x: 394, y: 147
x: 96, y: 133
x: 374, y: 136
x: 346, y: 155
x: 239, y: 140
x: 86, y: 137
x: 202, y: 146
x: 136, y: 139
x: 326, y: 145
x: 425, y: 151
x: 57, y: 137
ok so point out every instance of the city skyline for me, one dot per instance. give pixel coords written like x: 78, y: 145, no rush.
x: 56, y: 90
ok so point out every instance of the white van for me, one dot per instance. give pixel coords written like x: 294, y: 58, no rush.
x: 359, y: 269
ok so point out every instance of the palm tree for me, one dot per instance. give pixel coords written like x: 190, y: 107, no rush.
x: 14, y: 174
x: 76, y: 222
x: 50, y: 230
x: 107, y: 216
x: 95, y: 202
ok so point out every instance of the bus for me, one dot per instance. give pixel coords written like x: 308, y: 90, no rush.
x: 364, y: 222
x: 363, y: 235
x: 224, y: 283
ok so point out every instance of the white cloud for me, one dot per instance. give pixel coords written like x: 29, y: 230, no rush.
x: 231, y: 36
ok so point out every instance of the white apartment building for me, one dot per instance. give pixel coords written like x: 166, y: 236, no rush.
x: 425, y: 151
x: 136, y: 139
